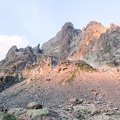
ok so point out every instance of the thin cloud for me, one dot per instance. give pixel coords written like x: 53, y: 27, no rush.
x: 6, y: 42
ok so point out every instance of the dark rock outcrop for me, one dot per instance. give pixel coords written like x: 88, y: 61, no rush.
x: 16, y: 60
x: 6, y: 81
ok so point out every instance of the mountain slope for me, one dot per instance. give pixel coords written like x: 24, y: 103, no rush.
x: 59, y: 86
x: 66, y: 66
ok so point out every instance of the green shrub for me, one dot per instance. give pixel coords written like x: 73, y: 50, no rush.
x: 85, y: 67
x: 6, y: 116
x: 71, y: 79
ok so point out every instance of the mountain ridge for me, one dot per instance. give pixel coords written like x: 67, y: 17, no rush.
x: 78, y: 64
x: 96, y: 45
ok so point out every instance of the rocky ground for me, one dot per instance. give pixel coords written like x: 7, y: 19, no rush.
x: 100, y: 90
x: 74, y: 109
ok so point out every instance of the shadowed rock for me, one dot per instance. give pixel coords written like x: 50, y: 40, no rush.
x: 59, y: 46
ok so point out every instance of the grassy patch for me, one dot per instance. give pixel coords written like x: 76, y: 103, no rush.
x: 61, y: 81
x: 85, y: 67
x: 71, y: 79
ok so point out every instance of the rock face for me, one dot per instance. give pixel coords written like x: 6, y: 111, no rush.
x: 17, y: 59
x: 21, y: 59
x: 13, y: 64
x: 59, y: 46
x: 95, y: 45
x: 100, y: 46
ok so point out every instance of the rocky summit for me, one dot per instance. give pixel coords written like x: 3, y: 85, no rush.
x: 73, y: 76
x: 59, y: 46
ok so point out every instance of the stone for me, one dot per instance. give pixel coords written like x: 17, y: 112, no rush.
x: 17, y: 111
x: 48, y: 118
x: 34, y: 105
x: 73, y: 101
x: 29, y: 114
x: 78, y: 115
x: 48, y: 79
x: 104, y: 117
x: 37, y: 114
x: 94, y: 92
x: 87, y: 108
x: 93, y: 109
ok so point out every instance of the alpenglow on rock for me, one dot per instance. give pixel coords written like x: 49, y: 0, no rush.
x: 100, y: 46
x: 96, y: 45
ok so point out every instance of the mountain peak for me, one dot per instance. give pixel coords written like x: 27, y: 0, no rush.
x: 68, y: 25
x: 95, y: 27
x: 11, y: 51
x: 113, y: 26
x: 93, y: 30
x: 93, y: 23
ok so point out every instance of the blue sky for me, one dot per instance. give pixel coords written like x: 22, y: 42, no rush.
x: 29, y: 22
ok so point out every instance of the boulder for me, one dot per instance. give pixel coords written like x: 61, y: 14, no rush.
x: 17, y: 111
x: 75, y: 101
x: 31, y: 114
x: 48, y: 118
x: 88, y: 108
x: 37, y: 114
x: 34, y: 105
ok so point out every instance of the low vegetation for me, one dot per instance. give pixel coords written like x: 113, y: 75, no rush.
x: 71, y: 79
x: 85, y: 67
